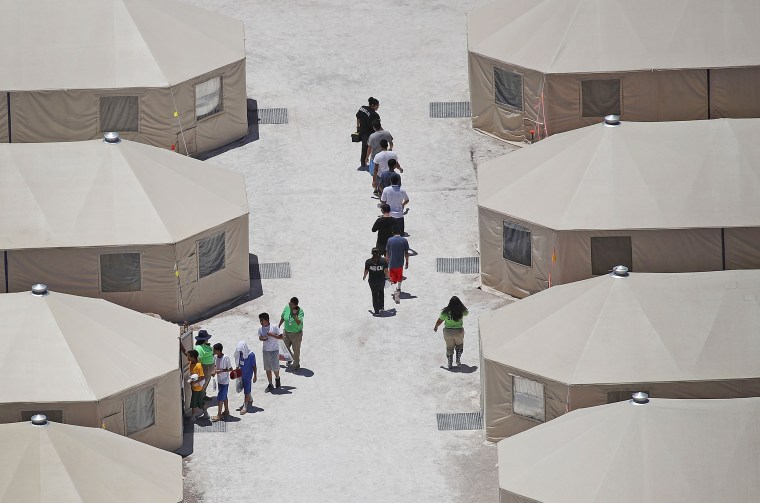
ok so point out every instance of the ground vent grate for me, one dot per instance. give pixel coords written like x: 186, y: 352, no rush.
x: 206, y: 426
x: 273, y: 115
x: 460, y: 421
x: 271, y: 270
x: 449, y: 109
x: 464, y: 265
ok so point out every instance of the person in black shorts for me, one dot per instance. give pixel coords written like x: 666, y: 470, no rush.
x: 364, y: 118
x: 377, y: 269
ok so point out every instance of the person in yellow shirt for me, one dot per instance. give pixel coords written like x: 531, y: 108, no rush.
x: 197, y: 380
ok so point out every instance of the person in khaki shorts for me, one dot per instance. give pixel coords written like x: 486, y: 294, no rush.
x: 292, y: 317
x: 452, y: 316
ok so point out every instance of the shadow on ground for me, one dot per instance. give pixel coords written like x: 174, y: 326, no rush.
x: 461, y: 369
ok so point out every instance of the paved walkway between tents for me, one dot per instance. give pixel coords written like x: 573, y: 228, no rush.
x: 359, y: 422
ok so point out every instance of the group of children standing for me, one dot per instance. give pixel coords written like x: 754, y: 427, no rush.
x: 207, y: 362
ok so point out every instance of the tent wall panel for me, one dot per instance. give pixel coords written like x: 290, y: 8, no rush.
x: 501, y: 121
x: 77, y: 271
x: 73, y: 115
x: 509, y: 277
x: 645, y: 96
x: 3, y: 277
x: 734, y: 92
x: 199, y: 296
x: 742, y: 248
x: 3, y: 117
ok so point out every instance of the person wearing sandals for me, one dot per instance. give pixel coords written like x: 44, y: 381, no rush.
x: 223, y: 367
x: 270, y: 335
x: 452, y: 316
x: 246, y: 362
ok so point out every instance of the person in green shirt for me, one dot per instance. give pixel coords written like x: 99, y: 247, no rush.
x: 292, y: 317
x: 452, y: 317
x: 205, y: 357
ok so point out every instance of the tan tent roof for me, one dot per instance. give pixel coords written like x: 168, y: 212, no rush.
x: 571, y: 36
x: 63, y: 348
x: 639, y: 175
x: 98, y: 44
x: 66, y: 463
x: 641, y: 328
x: 92, y: 193
x: 662, y: 451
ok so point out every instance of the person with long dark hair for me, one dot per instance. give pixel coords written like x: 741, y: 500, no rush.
x: 377, y: 269
x: 452, y: 316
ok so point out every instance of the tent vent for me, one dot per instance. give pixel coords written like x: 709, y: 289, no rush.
x: 460, y: 421
x: 273, y: 115
x: 619, y: 271
x: 463, y: 265
x: 639, y: 398
x: 450, y: 109
x: 612, y: 120
x: 39, y: 420
x: 270, y: 270
x: 111, y: 137
x: 39, y: 289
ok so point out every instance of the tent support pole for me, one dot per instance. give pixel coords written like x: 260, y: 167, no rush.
x: 8, y: 102
x: 723, y: 247
x: 5, y: 269
x: 709, y: 105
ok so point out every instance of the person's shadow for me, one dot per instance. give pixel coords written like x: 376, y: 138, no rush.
x: 405, y: 295
x: 387, y: 313
x: 461, y: 369
x: 283, y: 390
x: 303, y: 371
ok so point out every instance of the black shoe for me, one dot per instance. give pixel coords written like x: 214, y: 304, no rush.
x: 276, y: 382
x: 269, y: 388
x: 377, y: 312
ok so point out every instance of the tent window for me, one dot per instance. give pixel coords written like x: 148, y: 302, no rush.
x: 600, y: 97
x: 208, y: 98
x: 211, y: 255
x: 607, y: 252
x: 139, y: 410
x: 622, y: 396
x: 528, y: 398
x: 119, y: 113
x: 120, y: 272
x: 517, y: 243
x: 508, y: 88
x: 52, y: 415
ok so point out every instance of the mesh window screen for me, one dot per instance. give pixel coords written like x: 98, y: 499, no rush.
x: 211, y: 255
x: 119, y: 113
x: 600, y: 97
x: 508, y: 88
x: 622, y: 396
x: 517, y: 243
x: 52, y: 415
x: 208, y: 98
x: 139, y: 410
x: 528, y: 398
x: 120, y: 272
x: 607, y: 252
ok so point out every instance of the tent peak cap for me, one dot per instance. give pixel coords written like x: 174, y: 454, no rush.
x: 619, y: 271
x: 39, y: 289
x: 111, y: 137
x: 39, y: 420
x: 611, y: 120
x: 639, y: 398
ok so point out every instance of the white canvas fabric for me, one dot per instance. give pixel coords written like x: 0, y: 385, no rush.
x: 65, y: 463
x: 699, y: 451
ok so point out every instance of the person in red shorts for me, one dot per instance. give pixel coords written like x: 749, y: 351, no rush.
x: 397, y: 253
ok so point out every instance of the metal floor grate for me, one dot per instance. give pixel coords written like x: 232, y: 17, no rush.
x: 464, y: 265
x: 449, y: 109
x: 205, y: 427
x: 460, y: 421
x: 271, y: 270
x: 273, y: 115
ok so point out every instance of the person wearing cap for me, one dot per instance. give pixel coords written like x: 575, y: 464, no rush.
x: 205, y: 356
x: 292, y: 317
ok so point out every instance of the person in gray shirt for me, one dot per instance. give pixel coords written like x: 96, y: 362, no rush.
x: 374, y: 146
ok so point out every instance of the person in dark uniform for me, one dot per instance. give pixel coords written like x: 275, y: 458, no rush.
x: 377, y: 269
x: 364, y: 118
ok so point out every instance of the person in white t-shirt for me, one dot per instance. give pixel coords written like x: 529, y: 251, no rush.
x: 270, y: 336
x: 223, y: 366
x: 396, y: 197
x: 381, y: 164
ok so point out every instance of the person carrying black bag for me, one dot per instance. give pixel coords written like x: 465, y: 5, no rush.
x: 364, y: 118
x: 377, y: 269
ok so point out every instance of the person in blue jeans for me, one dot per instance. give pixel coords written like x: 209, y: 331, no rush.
x: 246, y: 362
